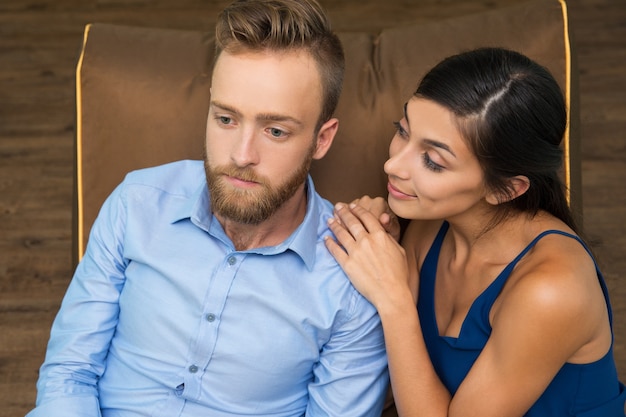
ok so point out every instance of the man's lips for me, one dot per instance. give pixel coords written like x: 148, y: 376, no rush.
x: 240, y: 182
x: 396, y: 193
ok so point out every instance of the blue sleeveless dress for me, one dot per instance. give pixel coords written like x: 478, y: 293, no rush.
x: 585, y: 390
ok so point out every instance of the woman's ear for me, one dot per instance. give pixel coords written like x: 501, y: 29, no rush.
x: 516, y: 186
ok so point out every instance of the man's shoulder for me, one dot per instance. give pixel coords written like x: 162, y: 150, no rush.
x: 165, y: 172
x: 179, y: 177
x: 320, y: 210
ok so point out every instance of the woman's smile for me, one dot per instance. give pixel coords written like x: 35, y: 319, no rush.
x: 396, y: 193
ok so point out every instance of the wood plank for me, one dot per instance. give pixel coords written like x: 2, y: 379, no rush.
x: 39, y: 45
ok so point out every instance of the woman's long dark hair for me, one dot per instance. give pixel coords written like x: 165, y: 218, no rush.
x: 512, y: 112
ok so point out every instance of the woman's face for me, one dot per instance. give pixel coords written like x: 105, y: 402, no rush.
x: 432, y: 172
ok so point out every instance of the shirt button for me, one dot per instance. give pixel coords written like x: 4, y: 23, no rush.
x: 232, y: 260
x: 210, y: 317
x: 193, y: 369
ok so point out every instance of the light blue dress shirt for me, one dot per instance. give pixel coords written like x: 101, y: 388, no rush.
x: 165, y: 318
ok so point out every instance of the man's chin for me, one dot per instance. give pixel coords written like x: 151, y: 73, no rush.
x: 236, y: 215
x: 241, y: 207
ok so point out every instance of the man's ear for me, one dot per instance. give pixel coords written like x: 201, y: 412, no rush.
x: 516, y: 186
x: 325, y: 138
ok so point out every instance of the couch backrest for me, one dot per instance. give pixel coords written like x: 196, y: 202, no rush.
x: 142, y: 97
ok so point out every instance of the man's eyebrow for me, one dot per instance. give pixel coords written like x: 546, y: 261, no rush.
x: 431, y: 142
x: 272, y: 117
x: 224, y: 107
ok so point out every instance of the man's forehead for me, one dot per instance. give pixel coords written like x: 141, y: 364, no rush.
x: 276, y: 85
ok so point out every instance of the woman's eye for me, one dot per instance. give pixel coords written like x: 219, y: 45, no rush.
x: 401, y: 131
x: 430, y: 164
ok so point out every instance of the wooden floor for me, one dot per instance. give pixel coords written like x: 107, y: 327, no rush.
x: 39, y: 42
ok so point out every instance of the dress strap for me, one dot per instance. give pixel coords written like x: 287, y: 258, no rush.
x: 497, y: 285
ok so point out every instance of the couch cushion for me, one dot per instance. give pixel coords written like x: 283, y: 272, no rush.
x: 382, y: 75
x: 142, y: 97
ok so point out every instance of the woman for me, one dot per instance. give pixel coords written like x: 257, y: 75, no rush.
x: 513, y: 316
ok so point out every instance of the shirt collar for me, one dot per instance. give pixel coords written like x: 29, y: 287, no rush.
x: 303, y: 241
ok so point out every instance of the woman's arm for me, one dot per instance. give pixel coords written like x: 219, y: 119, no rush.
x: 377, y: 266
x: 538, y: 326
x: 553, y: 313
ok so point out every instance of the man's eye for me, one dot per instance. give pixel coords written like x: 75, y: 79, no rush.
x: 225, y: 120
x: 277, y: 133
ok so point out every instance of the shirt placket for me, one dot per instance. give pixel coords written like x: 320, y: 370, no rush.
x: 206, y: 340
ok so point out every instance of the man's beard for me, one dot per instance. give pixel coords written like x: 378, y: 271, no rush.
x: 251, y: 206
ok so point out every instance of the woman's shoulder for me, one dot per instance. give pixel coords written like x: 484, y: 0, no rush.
x: 556, y: 261
x: 555, y: 254
x: 559, y: 254
x: 555, y: 284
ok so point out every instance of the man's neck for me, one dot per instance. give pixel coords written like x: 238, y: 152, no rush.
x: 271, y: 232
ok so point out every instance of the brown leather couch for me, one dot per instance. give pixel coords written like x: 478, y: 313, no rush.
x: 142, y: 97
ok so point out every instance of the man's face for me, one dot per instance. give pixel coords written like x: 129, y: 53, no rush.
x: 260, y: 136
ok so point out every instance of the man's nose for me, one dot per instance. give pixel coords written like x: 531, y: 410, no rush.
x: 245, y: 150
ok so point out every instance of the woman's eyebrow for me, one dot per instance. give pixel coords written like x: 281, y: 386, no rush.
x: 430, y: 142
x: 406, y: 116
x: 440, y: 145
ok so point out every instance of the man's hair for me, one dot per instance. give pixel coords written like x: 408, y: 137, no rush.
x: 284, y: 25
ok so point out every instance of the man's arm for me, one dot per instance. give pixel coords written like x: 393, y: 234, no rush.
x: 82, y: 331
x: 351, y: 378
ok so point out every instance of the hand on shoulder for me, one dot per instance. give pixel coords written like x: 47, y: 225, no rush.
x: 380, y: 209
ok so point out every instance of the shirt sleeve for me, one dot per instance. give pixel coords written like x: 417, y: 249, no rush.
x: 83, y: 328
x: 351, y: 378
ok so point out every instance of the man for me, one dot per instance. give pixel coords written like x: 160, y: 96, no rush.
x: 206, y: 289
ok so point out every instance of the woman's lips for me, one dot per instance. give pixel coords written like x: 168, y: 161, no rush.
x: 396, y: 193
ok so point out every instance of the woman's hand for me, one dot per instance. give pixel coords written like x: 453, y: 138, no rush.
x: 373, y: 260
x: 379, y: 208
